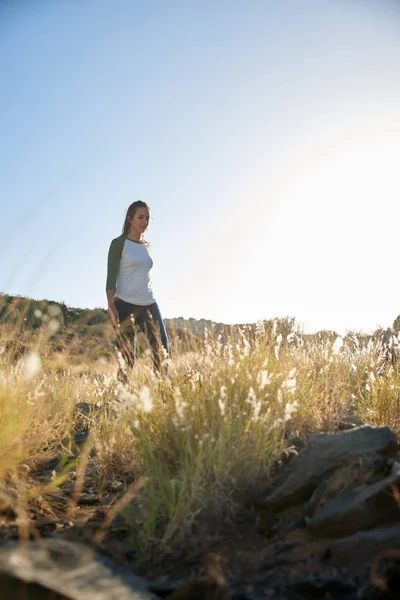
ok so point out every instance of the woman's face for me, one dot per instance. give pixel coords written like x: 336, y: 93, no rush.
x: 140, y: 221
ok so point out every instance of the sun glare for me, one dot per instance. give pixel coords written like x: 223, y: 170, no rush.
x: 329, y: 253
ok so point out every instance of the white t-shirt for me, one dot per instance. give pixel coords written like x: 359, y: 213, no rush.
x: 129, y: 266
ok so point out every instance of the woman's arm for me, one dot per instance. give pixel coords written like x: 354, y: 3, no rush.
x: 114, y: 257
x: 112, y: 311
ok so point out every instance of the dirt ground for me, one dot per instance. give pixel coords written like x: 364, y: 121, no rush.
x: 248, y: 552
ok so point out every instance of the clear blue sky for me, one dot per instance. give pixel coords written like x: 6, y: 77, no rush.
x: 264, y: 134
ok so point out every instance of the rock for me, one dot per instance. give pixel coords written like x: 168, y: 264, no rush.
x: 85, y: 409
x: 355, y: 473
x: 382, y: 466
x: 389, y: 584
x: 81, y: 437
x: 287, y: 455
x: 241, y: 514
x: 395, y: 470
x: 13, y: 588
x: 309, y: 508
x: 299, y: 553
x: 349, y: 422
x: 71, y: 569
x: 363, y: 546
x: 324, y: 453
x: 89, y: 499
x: 48, y: 465
x: 298, y: 443
x: 23, y: 469
x: 356, y: 509
x: 267, y: 524
x: 322, y: 587
x: 201, y: 590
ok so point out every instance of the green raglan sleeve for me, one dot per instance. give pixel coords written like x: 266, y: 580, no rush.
x: 114, y: 257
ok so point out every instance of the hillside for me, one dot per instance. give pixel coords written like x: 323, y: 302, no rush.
x: 86, y: 331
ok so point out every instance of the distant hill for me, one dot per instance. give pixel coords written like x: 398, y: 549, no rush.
x: 82, y: 330
x: 14, y: 307
x: 30, y: 312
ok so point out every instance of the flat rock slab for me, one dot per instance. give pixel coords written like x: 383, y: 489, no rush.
x: 359, y: 549
x: 323, y: 453
x: 71, y: 570
x: 356, y: 509
x: 363, y: 546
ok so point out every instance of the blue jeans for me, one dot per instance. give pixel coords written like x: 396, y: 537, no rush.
x: 150, y: 322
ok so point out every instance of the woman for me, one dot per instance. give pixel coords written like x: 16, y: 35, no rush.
x: 129, y: 291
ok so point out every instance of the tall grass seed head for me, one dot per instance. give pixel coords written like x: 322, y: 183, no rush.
x: 145, y: 399
x: 31, y: 366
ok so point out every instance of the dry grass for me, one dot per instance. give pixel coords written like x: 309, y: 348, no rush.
x: 212, y: 429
